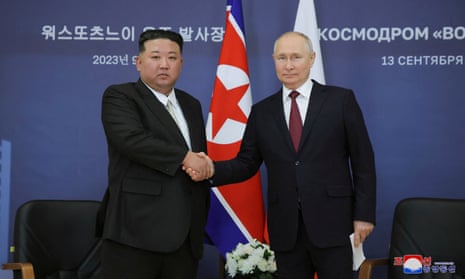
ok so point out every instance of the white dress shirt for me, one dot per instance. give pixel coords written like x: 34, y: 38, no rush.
x: 180, y: 119
x: 302, y: 100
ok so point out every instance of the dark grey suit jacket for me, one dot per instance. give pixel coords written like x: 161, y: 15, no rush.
x: 331, y: 177
x: 152, y: 203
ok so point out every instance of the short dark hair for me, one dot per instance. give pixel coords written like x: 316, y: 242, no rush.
x: 153, y: 34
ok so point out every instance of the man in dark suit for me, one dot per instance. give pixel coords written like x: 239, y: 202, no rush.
x: 322, y: 184
x: 154, y: 213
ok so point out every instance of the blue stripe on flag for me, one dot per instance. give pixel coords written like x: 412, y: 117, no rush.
x: 236, y: 11
x: 225, y: 235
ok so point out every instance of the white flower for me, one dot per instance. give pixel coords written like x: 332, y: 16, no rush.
x: 251, y: 259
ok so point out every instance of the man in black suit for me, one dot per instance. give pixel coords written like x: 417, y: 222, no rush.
x: 320, y: 188
x: 154, y: 213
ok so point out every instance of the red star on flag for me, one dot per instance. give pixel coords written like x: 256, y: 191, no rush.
x: 232, y: 111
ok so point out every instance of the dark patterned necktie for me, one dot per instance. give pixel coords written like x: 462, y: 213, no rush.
x: 295, y: 121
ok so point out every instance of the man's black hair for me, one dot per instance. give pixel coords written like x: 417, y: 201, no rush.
x: 153, y: 34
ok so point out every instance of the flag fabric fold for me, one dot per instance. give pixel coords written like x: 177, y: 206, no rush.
x: 305, y: 22
x: 236, y: 211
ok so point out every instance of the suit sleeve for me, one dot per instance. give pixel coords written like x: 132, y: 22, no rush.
x: 362, y: 161
x: 247, y: 161
x: 134, y: 132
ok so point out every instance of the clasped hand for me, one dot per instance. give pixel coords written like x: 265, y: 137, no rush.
x: 198, y: 166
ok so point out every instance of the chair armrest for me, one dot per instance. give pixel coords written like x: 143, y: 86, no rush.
x: 367, y: 267
x: 27, y: 271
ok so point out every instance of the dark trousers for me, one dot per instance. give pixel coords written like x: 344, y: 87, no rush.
x: 305, y: 259
x: 120, y: 261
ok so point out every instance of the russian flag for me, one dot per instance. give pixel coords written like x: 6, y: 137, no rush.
x: 305, y: 22
x: 236, y: 212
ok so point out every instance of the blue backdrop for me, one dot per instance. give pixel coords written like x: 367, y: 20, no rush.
x: 404, y: 60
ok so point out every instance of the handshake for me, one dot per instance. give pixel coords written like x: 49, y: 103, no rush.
x: 198, y: 166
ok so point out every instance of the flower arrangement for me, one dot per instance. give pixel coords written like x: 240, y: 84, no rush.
x: 253, y: 260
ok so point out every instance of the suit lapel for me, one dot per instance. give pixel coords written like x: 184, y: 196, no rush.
x: 277, y: 112
x: 160, y: 112
x: 188, y: 110
x: 317, y: 99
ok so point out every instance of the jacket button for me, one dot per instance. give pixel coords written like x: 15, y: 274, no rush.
x: 297, y: 163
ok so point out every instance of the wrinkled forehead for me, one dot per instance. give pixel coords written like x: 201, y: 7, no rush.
x: 291, y: 44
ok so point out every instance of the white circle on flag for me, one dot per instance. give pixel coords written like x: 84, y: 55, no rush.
x: 231, y: 131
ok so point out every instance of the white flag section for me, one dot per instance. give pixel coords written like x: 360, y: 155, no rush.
x: 305, y: 22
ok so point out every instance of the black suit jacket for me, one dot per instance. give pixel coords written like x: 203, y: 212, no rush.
x: 331, y: 176
x: 152, y: 203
